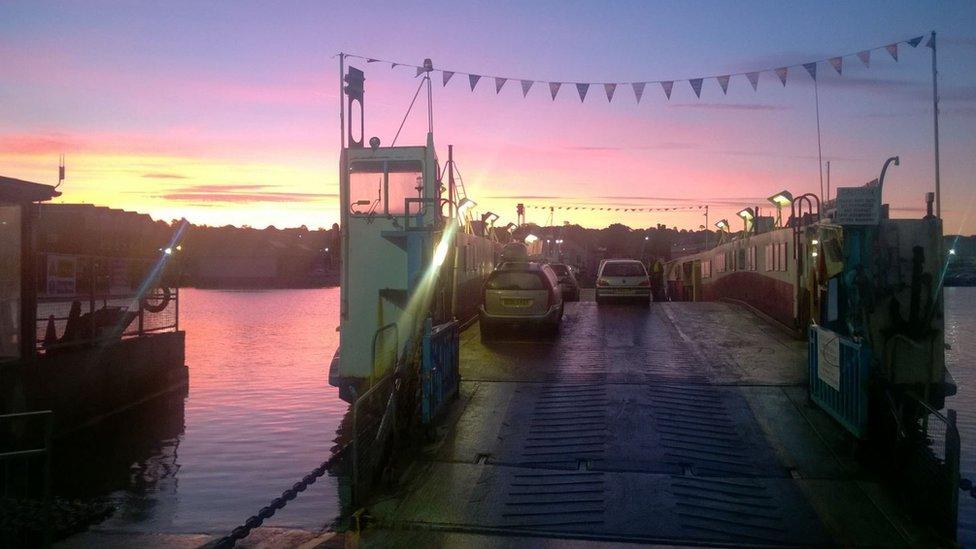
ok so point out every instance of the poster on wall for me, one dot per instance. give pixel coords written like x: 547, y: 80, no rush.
x: 828, y: 357
x: 62, y: 273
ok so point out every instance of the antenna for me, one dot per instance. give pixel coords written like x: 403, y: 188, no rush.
x: 60, y: 170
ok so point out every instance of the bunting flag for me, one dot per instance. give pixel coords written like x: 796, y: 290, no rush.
x: 610, y: 88
x: 781, y: 73
x: 554, y: 89
x: 753, y: 79
x: 865, y: 57
x: 667, y: 88
x: 638, y: 89
x: 893, y: 50
x: 724, y: 82
x: 812, y: 69
x: 499, y: 82
x: 838, y: 64
x: 582, y: 89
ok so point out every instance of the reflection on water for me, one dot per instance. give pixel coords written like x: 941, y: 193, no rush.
x: 960, y: 326
x: 258, y: 416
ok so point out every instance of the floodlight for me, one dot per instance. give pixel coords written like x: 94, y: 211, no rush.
x: 465, y: 205
x: 781, y: 199
x: 722, y: 224
x: 531, y: 238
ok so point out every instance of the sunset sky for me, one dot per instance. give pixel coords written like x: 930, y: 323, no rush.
x: 227, y: 112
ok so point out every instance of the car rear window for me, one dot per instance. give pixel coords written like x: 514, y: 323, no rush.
x: 628, y: 268
x: 560, y: 269
x: 515, y: 280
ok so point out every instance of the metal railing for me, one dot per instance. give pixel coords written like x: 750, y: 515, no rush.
x: 440, y: 376
x: 97, y: 299
x: 25, y: 479
x: 931, y: 466
x: 848, y: 401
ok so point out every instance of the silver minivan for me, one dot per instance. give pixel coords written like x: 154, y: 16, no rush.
x: 521, y: 293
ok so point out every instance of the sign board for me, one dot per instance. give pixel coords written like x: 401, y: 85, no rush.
x: 858, y: 206
x: 828, y: 357
x: 61, y: 275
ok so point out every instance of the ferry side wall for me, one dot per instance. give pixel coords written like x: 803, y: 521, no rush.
x: 83, y: 384
x: 772, y: 297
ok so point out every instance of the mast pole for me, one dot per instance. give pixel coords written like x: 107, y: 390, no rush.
x: 935, y: 120
x: 342, y: 104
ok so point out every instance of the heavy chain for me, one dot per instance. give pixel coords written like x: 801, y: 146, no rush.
x: 276, y: 504
x: 967, y: 485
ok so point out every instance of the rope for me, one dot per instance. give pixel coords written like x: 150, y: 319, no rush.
x: 412, y: 101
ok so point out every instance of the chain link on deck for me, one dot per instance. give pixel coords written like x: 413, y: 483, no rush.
x: 276, y: 504
x: 967, y: 485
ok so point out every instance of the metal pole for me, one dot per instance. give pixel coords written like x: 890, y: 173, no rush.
x: 342, y: 104
x: 816, y: 95
x: 935, y: 119
x: 706, y: 226
x: 828, y: 180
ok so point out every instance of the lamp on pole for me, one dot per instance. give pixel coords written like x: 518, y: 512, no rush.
x: 781, y: 200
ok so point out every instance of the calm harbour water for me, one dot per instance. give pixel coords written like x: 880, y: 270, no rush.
x: 260, y: 414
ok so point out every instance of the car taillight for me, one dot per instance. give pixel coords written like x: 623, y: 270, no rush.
x: 645, y: 282
x: 602, y: 282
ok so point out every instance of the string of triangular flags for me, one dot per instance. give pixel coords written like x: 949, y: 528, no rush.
x: 613, y: 209
x: 638, y: 87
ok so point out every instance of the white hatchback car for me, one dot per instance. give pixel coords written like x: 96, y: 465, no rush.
x: 624, y: 279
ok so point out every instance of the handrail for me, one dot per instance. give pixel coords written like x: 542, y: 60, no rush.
x: 45, y: 451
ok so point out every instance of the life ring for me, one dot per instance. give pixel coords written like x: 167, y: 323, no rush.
x: 159, y: 306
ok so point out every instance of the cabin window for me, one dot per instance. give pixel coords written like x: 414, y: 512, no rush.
x: 405, y: 180
x: 366, y: 188
x: 783, y: 264
x: 10, y: 254
x: 770, y: 253
x: 383, y: 187
x: 706, y: 269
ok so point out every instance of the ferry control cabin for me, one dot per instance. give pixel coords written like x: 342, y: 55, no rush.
x: 81, y: 335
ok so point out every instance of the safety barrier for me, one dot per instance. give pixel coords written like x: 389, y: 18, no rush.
x: 930, y: 467
x: 25, y: 479
x: 440, y: 375
x: 838, y: 370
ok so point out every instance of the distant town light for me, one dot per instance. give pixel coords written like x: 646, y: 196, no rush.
x: 326, y: 250
x: 179, y: 247
x: 952, y: 251
x: 168, y: 251
x: 814, y: 242
x: 559, y: 241
x: 529, y: 239
x: 814, y: 253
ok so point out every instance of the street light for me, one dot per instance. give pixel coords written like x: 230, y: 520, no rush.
x: 747, y: 215
x: 781, y: 200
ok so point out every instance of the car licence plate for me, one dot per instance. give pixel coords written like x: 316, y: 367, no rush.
x: 517, y: 302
